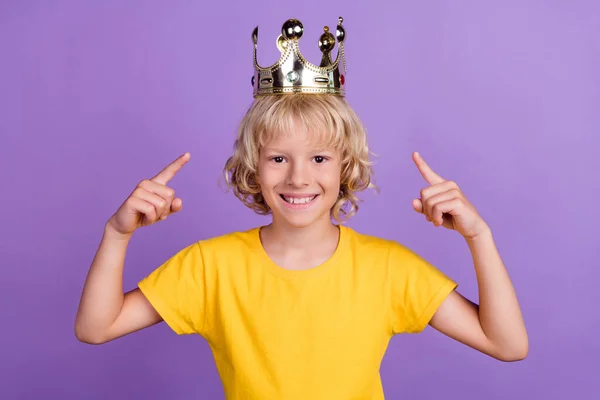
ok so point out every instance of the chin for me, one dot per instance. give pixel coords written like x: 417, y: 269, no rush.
x: 298, y: 222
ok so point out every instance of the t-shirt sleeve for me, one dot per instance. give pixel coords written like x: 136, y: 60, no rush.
x: 417, y: 289
x: 177, y: 290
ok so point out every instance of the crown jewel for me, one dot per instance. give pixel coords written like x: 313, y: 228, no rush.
x: 292, y: 73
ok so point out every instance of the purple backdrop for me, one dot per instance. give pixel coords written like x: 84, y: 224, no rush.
x: 502, y: 97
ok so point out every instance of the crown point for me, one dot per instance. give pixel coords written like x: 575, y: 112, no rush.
x: 340, y: 33
x: 292, y: 29
x: 281, y: 43
x: 326, y: 42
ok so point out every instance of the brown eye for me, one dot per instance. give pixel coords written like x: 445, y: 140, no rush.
x: 319, y: 159
x: 278, y: 159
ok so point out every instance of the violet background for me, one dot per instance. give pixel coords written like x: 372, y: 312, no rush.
x: 502, y: 97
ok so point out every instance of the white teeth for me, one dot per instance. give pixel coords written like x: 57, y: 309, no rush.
x: 299, y: 200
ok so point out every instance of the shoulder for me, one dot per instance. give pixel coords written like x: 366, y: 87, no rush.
x: 229, y: 242
x: 371, y: 244
x: 215, y: 250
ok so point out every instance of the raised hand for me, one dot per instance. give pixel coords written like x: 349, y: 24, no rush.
x: 444, y: 204
x: 151, y: 201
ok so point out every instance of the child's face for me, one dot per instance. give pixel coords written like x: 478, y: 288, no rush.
x: 299, y: 179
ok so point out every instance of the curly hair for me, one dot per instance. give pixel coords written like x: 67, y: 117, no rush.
x: 329, y: 116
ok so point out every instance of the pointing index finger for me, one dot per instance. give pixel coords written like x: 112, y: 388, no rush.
x: 164, y: 176
x: 428, y: 174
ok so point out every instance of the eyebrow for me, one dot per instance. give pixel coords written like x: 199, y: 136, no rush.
x: 273, y: 149
x: 318, y: 150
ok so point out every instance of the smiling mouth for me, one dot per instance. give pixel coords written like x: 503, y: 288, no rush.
x: 299, y: 200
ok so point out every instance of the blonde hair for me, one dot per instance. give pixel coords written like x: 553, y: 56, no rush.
x: 326, y: 115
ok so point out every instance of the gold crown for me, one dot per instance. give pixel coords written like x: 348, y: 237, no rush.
x: 293, y: 73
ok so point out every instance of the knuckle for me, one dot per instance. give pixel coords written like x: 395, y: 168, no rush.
x: 150, y: 211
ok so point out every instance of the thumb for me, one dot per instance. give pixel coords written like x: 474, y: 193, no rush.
x: 176, y: 205
x: 417, y: 205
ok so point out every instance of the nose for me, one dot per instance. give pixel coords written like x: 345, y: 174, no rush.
x: 298, y: 175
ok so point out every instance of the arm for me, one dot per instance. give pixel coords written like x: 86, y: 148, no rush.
x: 495, y: 326
x: 105, y: 312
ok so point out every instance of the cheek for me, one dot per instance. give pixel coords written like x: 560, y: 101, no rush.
x: 333, y: 181
x: 330, y: 178
x: 268, y: 177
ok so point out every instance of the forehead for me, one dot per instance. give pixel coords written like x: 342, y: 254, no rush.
x: 296, y: 134
x: 298, y: 139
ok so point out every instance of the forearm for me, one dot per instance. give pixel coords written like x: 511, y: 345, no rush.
x: 102, y: 296
x: 499, y: 311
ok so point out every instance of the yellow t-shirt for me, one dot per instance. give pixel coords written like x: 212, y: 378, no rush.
x: 319, y: 333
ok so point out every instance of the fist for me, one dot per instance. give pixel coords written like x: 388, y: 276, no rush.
x: 151, y: 201
x: 444, y: 204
